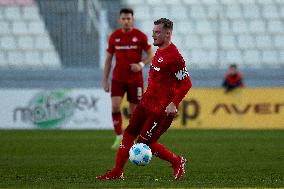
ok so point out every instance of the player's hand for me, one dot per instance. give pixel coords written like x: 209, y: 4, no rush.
x: 171, y: 109
x: 135, y: 67
x: 106, y: 86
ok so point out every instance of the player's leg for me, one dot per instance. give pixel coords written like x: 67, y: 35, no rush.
x: 117, y: 91
x: 134, y: 95
x: 135, y: 126
x: 150, y: 127
x: 178, y: 162
x: 136, y: 123
x: 132, y: 107
x: 116, y: 114
x: 154, y: 127
x: 121, y: 158
x: 159, y: 150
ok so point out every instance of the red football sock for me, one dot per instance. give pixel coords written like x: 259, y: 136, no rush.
x: 162, y: 152
x: 123, y: 152
x: 117, y: 123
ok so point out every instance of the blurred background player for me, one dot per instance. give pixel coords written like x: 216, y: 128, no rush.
x: 233, y: 79
x: 168, y: 83
x: 127, y: 44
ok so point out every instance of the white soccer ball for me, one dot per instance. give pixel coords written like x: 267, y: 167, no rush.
x: 140, y: 154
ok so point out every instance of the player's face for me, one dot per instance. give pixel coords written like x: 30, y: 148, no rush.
x: 160, y: 35
x: 126, y: 21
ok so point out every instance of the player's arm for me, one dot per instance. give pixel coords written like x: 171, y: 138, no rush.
x: 181, y: 91
x: 107, y: 69
x: 138, y: 67
x: 149, y: 57
x: 183, y: 84
x: 146, y: 46
x: 109, y: 54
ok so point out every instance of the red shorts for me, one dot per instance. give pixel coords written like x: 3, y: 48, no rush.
x: 147, y: 125
x: 134, y: 91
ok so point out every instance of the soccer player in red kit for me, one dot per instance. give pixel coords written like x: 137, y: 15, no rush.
x: 168, y: 83
x: 127, y: 44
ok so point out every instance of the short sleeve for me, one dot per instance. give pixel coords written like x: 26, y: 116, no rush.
x: 145, y: 43
x: 111, y: 44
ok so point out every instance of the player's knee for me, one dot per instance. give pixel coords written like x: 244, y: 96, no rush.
x: 115, y: 108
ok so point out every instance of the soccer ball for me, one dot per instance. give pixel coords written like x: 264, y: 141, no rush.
x: 140, y: 154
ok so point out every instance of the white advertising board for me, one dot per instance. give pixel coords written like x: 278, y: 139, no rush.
x: 55, y: 109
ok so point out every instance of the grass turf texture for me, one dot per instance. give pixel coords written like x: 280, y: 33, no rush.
x: 72, y: 159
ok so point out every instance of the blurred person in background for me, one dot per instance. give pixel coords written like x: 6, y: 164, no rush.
x: 233, y: 79
x: 127, y: 45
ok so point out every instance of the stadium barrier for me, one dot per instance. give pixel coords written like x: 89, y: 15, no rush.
x: 202, y: 108
x: 211, y: 108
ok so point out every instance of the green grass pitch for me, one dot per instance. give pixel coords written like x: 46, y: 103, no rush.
x: 72, y: 159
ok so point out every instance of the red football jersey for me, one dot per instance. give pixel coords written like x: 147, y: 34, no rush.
x: 127, y: 48
x: 168, y: 81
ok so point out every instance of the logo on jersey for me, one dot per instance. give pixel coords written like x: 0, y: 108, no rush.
x: 126, y: 47
x: 181, y: 74
x: 155, y: 68
x: 160, y: 59
x: 117, y: 40
x: 134, y: 39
